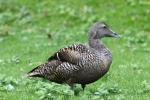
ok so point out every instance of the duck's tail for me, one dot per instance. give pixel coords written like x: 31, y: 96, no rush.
x: 36, y: 72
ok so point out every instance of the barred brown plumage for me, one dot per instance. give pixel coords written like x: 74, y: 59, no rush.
x: 78, y: 63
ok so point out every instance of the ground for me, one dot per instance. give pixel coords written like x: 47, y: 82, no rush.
x: 31, y: 31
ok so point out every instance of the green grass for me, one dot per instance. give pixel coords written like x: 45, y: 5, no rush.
x: 24, y: 44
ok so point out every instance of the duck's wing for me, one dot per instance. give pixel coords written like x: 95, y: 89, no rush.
x: 71, y: 54
x: 64, y: 65
x: 55, y: 71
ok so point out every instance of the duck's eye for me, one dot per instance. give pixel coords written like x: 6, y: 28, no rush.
x: 104, y: 26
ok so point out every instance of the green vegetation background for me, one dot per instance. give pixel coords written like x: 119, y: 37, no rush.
x: 32, y: 30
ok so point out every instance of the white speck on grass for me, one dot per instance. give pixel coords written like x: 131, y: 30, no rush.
x: 1, y: 60
x: 24, y: 38
x: 10, y: 87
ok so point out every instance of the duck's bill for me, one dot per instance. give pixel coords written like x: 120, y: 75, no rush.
x: 116, y: 35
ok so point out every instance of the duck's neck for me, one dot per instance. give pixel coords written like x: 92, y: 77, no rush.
x: 96, y: 44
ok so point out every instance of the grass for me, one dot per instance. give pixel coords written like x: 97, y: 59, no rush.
x: 24, y: 43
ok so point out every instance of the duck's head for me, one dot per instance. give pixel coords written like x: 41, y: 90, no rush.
x: 100, y: 30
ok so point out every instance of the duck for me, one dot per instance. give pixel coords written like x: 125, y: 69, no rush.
x: 79, y: 63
